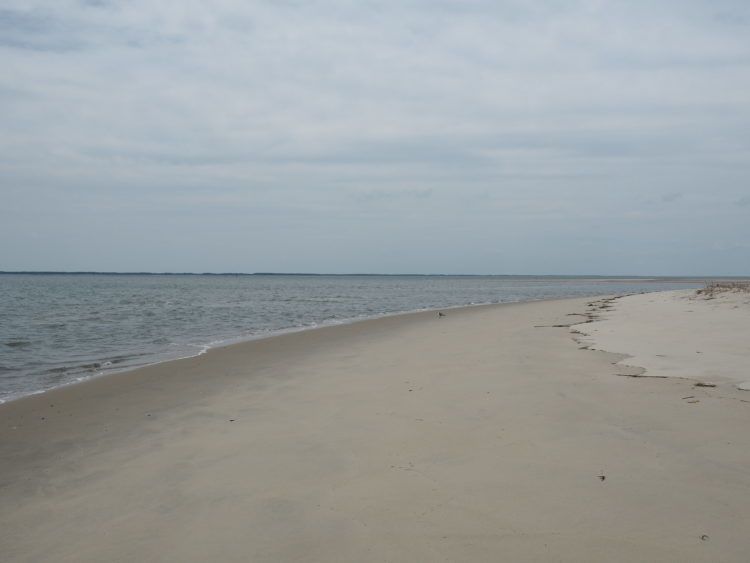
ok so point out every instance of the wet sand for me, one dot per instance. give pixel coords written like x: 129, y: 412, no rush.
x: 489, y: 434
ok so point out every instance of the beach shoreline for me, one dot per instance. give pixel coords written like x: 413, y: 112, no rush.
x: 229, y: 344
x: 486, y: 433
x: 240, y: 340
x: 63, y: 329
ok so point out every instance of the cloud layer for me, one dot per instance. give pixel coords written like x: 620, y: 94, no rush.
x: 409, y: 136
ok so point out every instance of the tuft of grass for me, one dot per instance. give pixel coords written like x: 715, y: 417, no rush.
x: 712, y: 289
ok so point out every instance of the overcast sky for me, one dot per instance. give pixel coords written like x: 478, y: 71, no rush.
x: 466, y: 136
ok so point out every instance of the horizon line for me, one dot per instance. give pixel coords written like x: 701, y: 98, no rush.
x: 362, y: 274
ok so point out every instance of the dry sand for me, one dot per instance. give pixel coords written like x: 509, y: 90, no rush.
x: 485, y: 435
x: 678, y: 334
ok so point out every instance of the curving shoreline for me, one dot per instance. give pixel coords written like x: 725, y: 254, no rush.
x: 239, y: 340
x: 59, y: 329
x: 485, y: 434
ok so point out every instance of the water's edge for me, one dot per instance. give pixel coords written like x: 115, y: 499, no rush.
x: 230, y: 343
x: 58, y: 330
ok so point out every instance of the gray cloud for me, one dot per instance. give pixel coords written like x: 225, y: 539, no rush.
x: 364, y: 124
x: 672, y: 197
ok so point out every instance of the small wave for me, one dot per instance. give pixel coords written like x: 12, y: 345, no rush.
x: 125, y: 357
x: 93, y: 366
x: 18, y: 343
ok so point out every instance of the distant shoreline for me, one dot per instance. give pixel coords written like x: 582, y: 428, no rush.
x: 310, y: 274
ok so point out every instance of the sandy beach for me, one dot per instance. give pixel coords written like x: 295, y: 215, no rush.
x: 698, y: 336
x: 495, y: 433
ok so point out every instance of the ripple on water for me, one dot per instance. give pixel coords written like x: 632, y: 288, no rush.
x: 80, y: 325
x: 18, y: 343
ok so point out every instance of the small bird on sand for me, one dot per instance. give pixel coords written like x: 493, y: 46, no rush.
x: 441, y: 314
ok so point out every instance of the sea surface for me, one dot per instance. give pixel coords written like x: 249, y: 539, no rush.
x: 57, y: 329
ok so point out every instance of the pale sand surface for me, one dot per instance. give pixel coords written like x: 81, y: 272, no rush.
x: 678, y: 334
x: 479, y: 436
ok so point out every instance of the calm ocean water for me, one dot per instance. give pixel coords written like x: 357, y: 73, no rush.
x: 57, y: 329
